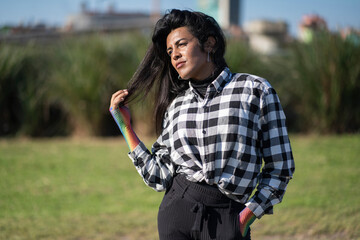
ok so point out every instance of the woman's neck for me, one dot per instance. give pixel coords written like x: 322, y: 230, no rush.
x: 209, y: 79
x: 206, y: 72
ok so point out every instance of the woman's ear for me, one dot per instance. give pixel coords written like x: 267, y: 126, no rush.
x: 209, y: 45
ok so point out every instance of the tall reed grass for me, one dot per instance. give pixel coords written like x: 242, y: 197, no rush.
x: 64, y: 87
x: 87, y: 71
x: 326, y: 77
x: 24, y: 109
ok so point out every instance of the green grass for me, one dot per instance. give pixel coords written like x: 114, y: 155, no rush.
x: 323, y: 198
x: 67, y: 189
x: 89, y: 189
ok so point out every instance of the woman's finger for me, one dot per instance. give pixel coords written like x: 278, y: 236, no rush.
x: 118, y: 97
x: 120, y: 92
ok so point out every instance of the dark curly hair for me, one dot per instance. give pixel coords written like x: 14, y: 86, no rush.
x: 156, y: 66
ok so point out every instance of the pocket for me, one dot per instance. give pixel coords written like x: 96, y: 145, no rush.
x: 229, y: 229
x: 237, y: 226
x: 168, y: 198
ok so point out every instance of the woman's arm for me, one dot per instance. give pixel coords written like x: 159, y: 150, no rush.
x: 277, y: 155
x: 121, y: 115
x: 155, y: 168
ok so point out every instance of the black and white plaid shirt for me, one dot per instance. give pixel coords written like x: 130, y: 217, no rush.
x: 223, y: 139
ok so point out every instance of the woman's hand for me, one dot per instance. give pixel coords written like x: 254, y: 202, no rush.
x: 118, y: 99
x: 119, y: 111
x: 246, y: 218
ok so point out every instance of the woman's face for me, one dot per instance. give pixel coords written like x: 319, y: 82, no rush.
x: 186, y: 55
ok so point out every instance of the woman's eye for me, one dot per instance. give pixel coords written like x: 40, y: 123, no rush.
x: 169, y: 53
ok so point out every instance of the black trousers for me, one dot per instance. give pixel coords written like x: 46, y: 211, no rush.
x: 198, y: 211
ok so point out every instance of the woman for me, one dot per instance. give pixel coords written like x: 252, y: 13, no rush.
x: 215, y: 130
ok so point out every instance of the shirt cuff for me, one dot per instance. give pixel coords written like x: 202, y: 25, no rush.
x: 139, y: 153
x: 261, y: 203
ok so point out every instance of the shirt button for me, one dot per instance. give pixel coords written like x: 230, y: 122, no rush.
x: 204, y: 131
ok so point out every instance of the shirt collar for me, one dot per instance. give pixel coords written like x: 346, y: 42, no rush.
x: 220, y: 82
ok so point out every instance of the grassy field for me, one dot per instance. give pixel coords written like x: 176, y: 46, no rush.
x: 88, y: 189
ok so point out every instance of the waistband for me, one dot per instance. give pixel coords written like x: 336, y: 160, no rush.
x: 200, y: 192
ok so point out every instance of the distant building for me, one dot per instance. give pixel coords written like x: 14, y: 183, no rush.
x: 226, y: 12
x: 265, y: 36
x: 23, y: 33
x: 351, y: 34
x: 107, y: 21
x: 84, y: 22
x: 311, y: 25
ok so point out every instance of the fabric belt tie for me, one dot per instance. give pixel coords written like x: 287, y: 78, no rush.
x: 204, y: 198
x: 199, y: 209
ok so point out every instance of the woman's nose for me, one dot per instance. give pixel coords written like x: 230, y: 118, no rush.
x: 176, y: 54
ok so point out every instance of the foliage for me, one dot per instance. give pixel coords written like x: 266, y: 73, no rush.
x: 326, y: 75
x: 24, y: 107
x: 63, y: 87
x: 88, y: 69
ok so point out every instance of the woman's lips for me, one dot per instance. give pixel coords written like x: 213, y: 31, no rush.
x: 180, y: 64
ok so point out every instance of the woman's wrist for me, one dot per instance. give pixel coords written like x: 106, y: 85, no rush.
x: 122, y: 118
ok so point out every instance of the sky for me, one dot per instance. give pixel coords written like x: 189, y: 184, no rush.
x: 337, y: 13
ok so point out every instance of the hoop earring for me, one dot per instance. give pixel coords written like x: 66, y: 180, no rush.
x: 208, y: 56
x: 179, y: 77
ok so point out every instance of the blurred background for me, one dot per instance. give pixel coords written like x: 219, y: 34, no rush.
x: 60, y: 61
x: 64, y: 172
